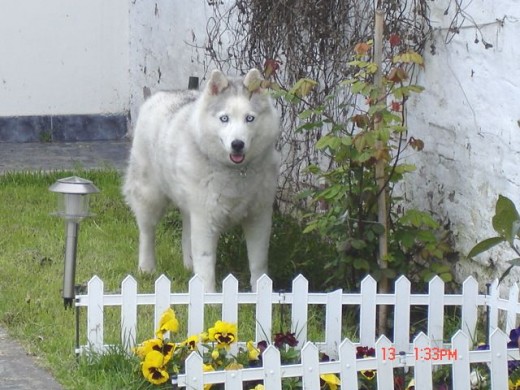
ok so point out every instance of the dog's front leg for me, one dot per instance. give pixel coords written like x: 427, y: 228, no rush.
x: 257, y: 230
x: 203, y: 250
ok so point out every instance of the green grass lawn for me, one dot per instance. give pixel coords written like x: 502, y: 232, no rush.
x: 31, y: 264
x: 31, y: 268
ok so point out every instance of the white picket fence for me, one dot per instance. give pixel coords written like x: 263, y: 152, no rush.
x: 423, y: 352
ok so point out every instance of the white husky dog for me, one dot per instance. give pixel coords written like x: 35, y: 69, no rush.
x: 213, y: 154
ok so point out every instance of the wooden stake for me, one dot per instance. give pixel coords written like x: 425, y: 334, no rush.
x: 380, y: 174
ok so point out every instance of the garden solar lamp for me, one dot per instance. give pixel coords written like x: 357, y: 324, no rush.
x: 73, y: 206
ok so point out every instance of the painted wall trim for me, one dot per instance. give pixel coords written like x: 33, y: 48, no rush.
x: 63, y: 128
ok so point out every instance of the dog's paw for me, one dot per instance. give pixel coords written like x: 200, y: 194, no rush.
x: 146, y: 269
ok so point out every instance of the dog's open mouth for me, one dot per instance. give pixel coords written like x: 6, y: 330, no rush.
x: 237, y: 158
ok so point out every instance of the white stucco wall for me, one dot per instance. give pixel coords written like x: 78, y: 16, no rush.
x: 162, y: 38
x: 63, y: 57
x: 468, y: 118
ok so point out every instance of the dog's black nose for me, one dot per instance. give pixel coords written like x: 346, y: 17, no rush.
x: 237, y: 146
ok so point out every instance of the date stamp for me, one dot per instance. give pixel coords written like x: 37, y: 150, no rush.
x: 427, y: 353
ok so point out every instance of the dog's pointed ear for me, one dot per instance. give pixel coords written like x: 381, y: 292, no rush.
x: 217, y: 82
x: 253, y: 81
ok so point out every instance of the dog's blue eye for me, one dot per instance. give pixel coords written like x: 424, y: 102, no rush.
x: 250, y: 118
x: 224, y: 119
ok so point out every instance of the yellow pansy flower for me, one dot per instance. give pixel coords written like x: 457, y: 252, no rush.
x: 191, y: 342
x: 223, y: 333
x: 514, y: 385
x: 331, y: 380
x: 158, y: 345
x: 234, y: 366
x: 148, y: 346
x: 167, y: 323
x: 153, y: 368
x: 252, y: 351
x: 215, y: 354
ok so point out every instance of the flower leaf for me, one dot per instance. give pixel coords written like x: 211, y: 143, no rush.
x: 485, y: 245
x: 505, y: 220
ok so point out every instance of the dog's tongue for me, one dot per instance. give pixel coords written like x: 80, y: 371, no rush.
x: 237, y: 158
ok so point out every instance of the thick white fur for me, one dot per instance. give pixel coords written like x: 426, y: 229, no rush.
x: 181, y: 153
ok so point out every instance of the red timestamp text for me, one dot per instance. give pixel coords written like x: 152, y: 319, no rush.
x: 426, y: 353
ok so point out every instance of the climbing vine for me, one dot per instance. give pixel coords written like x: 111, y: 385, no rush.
x: 295, y: 39
x: 318, y: 56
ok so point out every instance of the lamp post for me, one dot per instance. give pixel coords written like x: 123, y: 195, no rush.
x: 73, y: 206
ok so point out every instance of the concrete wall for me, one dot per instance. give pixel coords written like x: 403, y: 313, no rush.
x: 469, y: 119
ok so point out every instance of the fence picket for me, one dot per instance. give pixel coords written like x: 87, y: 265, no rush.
x: 423, y: 362
x: 299, y: 309
x: 367, y: 324
x: 498, y: 346
x: 264, y: 308
x: 230, y: 304
x: 436, y: 311
x: 272, y: 368
x: 493, y: 307
x: 333, y: 323
x: 234, y: 380
x: 385, y: 369
x: 347, y: 357
x: 129, y: 312
x: 95, y: 314
x: 511, y: 308
x: 230, y: 299
x: 341, y: 350
x: 460, y: 364
x: 310, y: 367
x: 402, y: 314
x: 162, y: 299
x: 469, y: 306
x: 196, y: 306
x: 194, y: 379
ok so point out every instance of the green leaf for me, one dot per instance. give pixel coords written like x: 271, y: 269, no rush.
x: 358, y: 244
x: 331, y: 192
x: 417, y: 218
x: 485, y: 245
x: 505, y: 217
x: 416, y: 88
x: 310, y: 227
x: 361, y: 264
x: 506, y: 272
x: 303, y: 87
x: 306, y: 114
x: 372, y: 68
x: 357, y: 87
x: 446, y: 277
x: 515, y: 262
x: 441, y: 268
x: 329, y: 141
x: 314, y: 169
x: 405, y: 168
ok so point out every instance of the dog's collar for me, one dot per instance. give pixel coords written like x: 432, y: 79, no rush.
x: 242, y: 170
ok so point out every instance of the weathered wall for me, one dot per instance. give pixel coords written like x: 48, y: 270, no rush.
x: 162, y: 38
x: 469, y: 119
